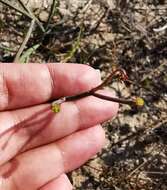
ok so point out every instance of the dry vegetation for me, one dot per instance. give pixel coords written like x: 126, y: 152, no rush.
x: 106, y: 34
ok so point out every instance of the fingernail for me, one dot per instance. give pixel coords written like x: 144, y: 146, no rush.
x: 98, y: 71
x: 98, y: 74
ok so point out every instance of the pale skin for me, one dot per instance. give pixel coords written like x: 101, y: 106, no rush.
x: 48, y: 145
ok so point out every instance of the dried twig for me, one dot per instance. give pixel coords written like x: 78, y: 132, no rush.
x: 155, y: 173
x: 148, y: 161
x: 120, y: 73
x: 160, y: 29
x: 89, y: 2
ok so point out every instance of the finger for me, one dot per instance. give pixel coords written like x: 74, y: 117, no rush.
x: 33, y: 84
x: 38, y: 166
x: 43, y: 126
x: 60, y: 183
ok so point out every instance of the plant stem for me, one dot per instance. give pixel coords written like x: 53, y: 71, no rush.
x: 113, y: 99
x: 101, y: 96
x: 93, y: 92
x: 16, y: 60
x: 15, y: 8
x: 27, y: 9
x: 27, y: 12
x: 109, y: 78
x: 52, y: 10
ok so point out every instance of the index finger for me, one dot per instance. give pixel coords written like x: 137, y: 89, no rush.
x: 31, y: 84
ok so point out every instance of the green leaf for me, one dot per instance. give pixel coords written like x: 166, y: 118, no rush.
x: 27, y: 54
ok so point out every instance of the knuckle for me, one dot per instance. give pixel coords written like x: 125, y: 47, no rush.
x: 4, y: 92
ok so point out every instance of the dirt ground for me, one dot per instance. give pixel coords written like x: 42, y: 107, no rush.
x: 106, y: 34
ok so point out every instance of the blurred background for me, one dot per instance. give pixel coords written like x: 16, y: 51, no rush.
x: 105, y: 34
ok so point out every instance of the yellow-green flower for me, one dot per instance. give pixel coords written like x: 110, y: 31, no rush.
x: 139, y: 101
x: 56, y: 108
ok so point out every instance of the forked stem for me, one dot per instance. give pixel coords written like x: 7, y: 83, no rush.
x: 118, y: 72
x: 93, y: 92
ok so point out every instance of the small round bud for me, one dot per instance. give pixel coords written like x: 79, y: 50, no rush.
x: 56, y: 108
x: 139, y: 102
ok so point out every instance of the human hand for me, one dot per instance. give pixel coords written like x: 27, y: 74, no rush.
x: 38, y: 146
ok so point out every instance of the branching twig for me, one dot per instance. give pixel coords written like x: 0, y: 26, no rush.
x: 11, y: 5
x: 27, y: 9
x: 120, y: 73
